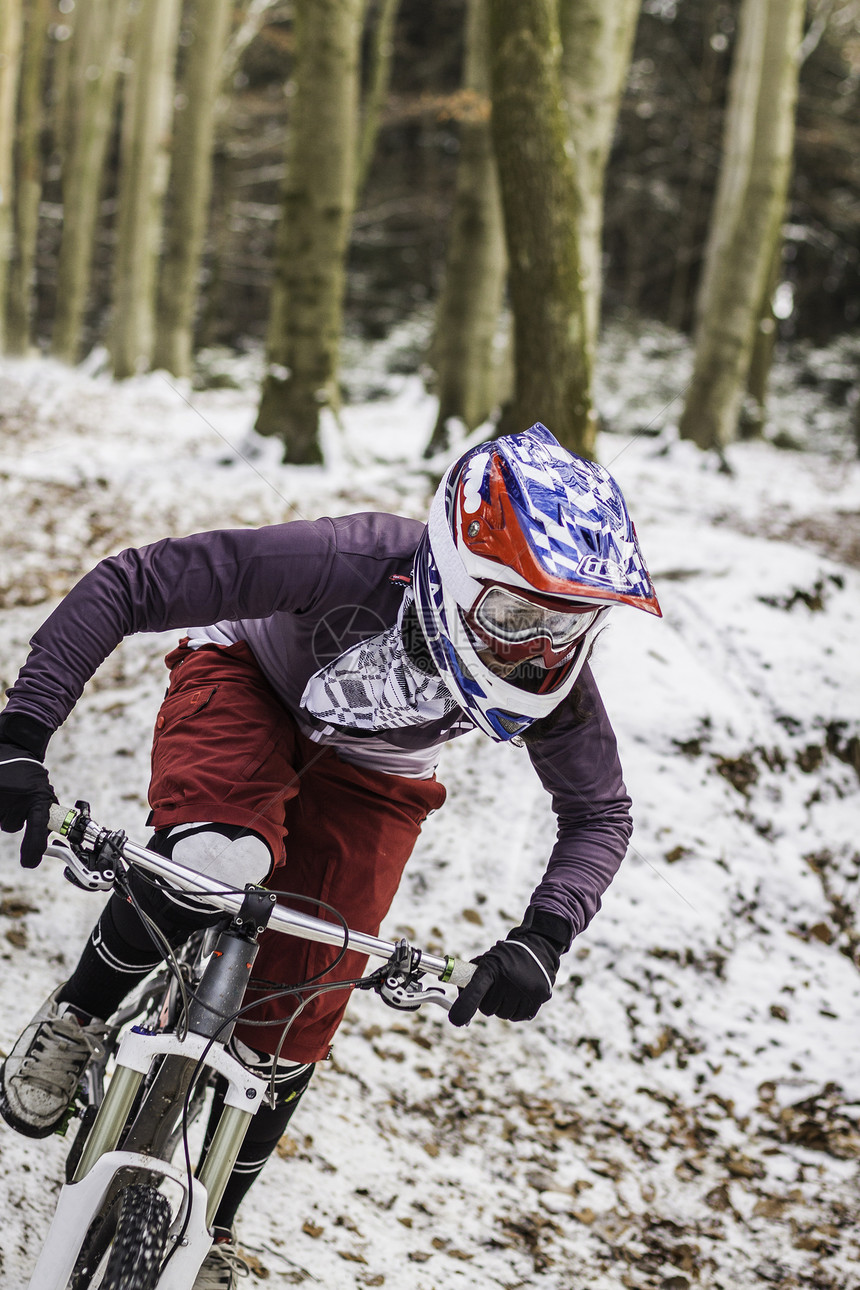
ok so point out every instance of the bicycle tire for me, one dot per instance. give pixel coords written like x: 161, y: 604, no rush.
x: 136, y: 1228
x: 95, y: 1246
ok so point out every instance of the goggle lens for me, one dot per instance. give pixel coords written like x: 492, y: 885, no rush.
x: 512, y: 620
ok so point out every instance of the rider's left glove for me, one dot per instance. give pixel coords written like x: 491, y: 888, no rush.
x: 514, y: 978
x: 25, y: 790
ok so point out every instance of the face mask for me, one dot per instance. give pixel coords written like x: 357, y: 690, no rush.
x: 375, y: 686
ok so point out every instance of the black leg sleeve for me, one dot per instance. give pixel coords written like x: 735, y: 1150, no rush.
x: 118, y: 955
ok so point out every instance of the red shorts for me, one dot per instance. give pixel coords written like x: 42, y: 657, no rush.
x: 226, y: 750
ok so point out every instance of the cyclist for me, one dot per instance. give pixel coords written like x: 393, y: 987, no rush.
x: 325, y: 665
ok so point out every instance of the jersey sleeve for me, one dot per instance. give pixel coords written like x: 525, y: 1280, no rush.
x: 175, y: 583
x: 578, y: 764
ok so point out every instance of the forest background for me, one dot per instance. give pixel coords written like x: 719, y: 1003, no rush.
x: 177, y: 176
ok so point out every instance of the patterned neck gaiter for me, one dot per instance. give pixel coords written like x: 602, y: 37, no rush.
x: 375, y: 686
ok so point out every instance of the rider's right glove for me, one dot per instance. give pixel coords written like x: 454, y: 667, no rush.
x: 514, y: 978
x: 25, y: 790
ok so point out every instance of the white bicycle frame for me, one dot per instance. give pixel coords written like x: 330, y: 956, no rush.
x: 81, y: 1199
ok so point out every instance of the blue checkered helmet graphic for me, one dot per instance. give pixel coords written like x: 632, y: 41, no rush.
x: 520, y: 518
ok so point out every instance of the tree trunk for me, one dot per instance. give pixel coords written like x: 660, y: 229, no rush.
x: 596, y: 44
x: 61, y: 81
x: 10, y: 56
x: 754, y: 410
x: 95, y: 54
x: 307, y: 298
x: 688, y: 241
x: 467, y: 316
x: 748, y: 211
x: 191, y: 168
x: 250, y: 17
x: 552, y: 367
x: 143, y: 180
x: 378, y: 81
x: 28, y: 178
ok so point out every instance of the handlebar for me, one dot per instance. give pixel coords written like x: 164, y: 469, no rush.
x: 291, y: 921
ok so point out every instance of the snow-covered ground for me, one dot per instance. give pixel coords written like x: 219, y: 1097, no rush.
x: 685, y: 1111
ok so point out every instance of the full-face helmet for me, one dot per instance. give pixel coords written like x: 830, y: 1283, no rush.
x: 527, y: 549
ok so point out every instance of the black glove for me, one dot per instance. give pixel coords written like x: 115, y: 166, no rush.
x: 516, y: 976
x: 25, y: 791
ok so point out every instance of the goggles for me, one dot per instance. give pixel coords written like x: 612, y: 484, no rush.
x: 517, y: 626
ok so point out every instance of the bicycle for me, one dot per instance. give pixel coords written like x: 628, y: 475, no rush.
x: 130, y: 1216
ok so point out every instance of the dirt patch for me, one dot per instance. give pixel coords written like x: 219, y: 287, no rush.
x: 836, y: 536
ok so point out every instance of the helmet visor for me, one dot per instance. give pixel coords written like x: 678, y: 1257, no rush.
x: 516, y: 627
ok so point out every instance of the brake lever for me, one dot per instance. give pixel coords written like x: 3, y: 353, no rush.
x: 397, y: 983
x: 408, y: 996
x: 76, y: 871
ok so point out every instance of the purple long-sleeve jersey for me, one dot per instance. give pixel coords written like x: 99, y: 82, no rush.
x: 300, y: 594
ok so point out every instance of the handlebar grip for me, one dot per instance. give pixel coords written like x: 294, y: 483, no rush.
x: 59, y: 816
x: 461, y: 973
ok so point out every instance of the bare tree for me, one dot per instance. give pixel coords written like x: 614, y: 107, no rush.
x: 191, y: 170
x: 307, y: 299
x: 143, y: 181
x: 596, y: 43
x: 467, y: 315
x: 693, y: 195
x: 60, y: 86
x: 28, y: 177
x: 552, y: 364
x: 753, y: 412
x: 96, y: 48
x: 751, y: 418
x: 252, y: 17
x: 10, y: 54
x: 747, y: 216
x: 378, y: 80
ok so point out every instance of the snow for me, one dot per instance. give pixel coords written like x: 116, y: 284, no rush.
x: 685, y: 1110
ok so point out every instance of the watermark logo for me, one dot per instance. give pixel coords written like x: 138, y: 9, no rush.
x: 342, y: 628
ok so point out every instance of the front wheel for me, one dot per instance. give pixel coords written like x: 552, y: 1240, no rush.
x: 138, y: 1223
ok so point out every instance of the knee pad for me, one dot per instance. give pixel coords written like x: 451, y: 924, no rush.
x: 229, y: 853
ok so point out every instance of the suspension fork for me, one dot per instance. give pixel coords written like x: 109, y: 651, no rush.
x: 218, y: 996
